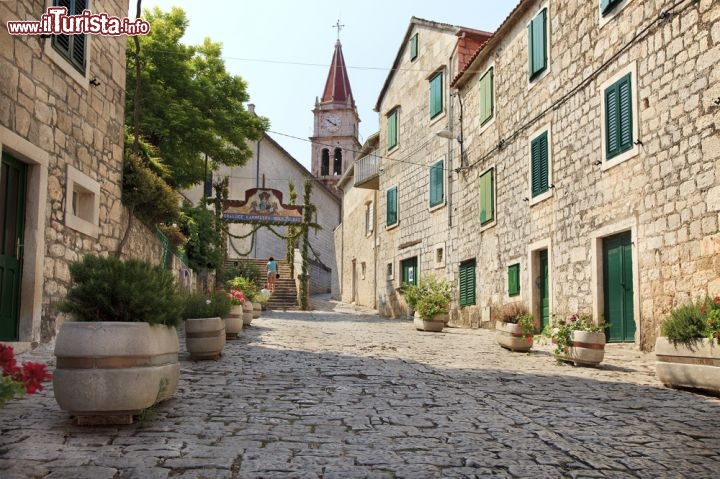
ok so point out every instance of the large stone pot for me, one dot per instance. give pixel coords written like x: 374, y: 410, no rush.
x: 511, y: 336
x: 234, y: 322
x: 107, y: 372
x: 696, y: 367
x: 435, y: 325
x: 257, y: 309
x: 205, y: 337
x: 586, y: 349
x: 247, y: 313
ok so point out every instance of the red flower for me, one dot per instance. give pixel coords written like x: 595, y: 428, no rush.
x: 717, y: 299
x: 702, y: 308
x: 33, y: 374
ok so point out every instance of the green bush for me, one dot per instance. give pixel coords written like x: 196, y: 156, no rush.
x: 691, y: 322
x: 150, y: 197
x: 248, y: 287
x: 246, y: 270
x: 430, y: 297
x: 197, y: 305
x: 108, y: 289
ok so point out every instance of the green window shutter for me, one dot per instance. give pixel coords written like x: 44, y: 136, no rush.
x: 487, y: 203
x: 618, y: 117
x: 414, y: 47
x: 467, y: 283
x: 537, y: 46
x: 391, y: 206
x: 72, y: 47
x: 514, y: 279
x: 606, y: 6
x: 392, y: 130
x: 539, y: 164
x: 436, y: 184
x: 486, y: 97
x: 436, y: 95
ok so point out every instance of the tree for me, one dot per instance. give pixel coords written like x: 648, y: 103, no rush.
x: 190, y: 105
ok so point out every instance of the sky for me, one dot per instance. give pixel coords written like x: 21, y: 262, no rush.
x: 283, y: 49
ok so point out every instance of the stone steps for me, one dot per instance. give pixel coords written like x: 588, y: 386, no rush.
x: 285, y: 295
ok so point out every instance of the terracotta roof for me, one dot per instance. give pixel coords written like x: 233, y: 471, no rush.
x: 337, y: 86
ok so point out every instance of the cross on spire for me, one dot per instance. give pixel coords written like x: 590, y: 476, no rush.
x: 339, y: 27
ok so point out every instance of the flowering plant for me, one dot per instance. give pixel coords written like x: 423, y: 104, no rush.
x: 691, y: 322
x: 560, y: 332
x: 236, y: 297
x: 18, y: 380
x: 517, y: 313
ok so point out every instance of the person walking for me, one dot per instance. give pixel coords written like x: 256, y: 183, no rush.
x: 271, y: 273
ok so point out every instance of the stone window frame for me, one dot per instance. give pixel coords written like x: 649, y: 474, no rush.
x: 635, y: 150
x: 393, y: 112
x: 82, y: 202
x: 463, y: 287
x: 439, y: 255
x: 82, y: 79
x: 369, y: 218
x: 433, y: 207
x: 397, y: 208
x: 551, y: 188
x: 604, y: 19
x: 514, y: 267
x: 439, y: 73
x: 489, y: 121
x: 414, y: 47
x: 534, y: 80
x: 490, y: 224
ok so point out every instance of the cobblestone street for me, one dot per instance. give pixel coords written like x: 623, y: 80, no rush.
x: 341, y: 393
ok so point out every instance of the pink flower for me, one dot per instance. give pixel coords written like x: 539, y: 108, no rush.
x: 33, y: 374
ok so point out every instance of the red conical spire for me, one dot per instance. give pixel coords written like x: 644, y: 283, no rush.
x: 337, y: 86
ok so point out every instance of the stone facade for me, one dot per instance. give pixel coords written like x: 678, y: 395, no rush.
x: 355, y: 238
x: 67, y: 132
x: 273, y: 167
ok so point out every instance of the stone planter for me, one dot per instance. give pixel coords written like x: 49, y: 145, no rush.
x: 234, y: 322
x: 107, y: 372
x: 435, y: 325
x: 205, y: 337
x: 247, y: 313
x: 510, y: 336
x: 587, y: 349
x: 257, y: 309
x: 683, y: 367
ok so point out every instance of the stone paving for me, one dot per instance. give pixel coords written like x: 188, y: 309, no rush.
x: 341, y: 393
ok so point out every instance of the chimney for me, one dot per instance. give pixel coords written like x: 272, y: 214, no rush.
x: 251, y: 108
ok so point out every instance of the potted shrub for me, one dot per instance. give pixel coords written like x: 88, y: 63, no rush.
x: 251, y: 291
x: 120, y: 355
x: 431, y: 301
x: 234, y: 319
x: 578, y: 339
x: 515, y: 327
x: 688, y: 355
x: 204, y: 324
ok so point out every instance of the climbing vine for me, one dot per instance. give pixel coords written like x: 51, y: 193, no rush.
x: 308, y: 210
x: 293, y: 234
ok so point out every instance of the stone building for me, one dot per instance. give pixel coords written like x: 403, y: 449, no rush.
x: 414, y: 207
x: 355, y: 237
x: 61, y: 135
x: 591, y: 184
x: 271, y: 166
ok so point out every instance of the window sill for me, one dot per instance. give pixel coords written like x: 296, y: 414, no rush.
x: 392, y: 226
x: 436, y: 207
x: 435, y: 119
x: 532, y: 81
x: 621, y: 158
x: 488, y: 225
x: 541, y: 197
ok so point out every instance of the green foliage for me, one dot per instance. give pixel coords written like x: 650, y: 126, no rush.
x: 109, y: 289
x: 430, y: 296
x: 691, y: 322
x: 246, y: 270
x: 204, y: 247
x: 517, y: 313
x: 191, y: 107
x: 9, y: 389
x: 248, y: 287
x: 560, y: 332
x: 197, y: 305
x: 149, y: 196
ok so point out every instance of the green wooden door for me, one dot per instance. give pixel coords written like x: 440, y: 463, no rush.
x: 544, y: 288
x: 618, y: 286
x: 409, y: 270
x: 13, y: 176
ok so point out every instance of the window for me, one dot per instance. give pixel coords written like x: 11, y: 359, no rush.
x: 409, y: 268
x: 487, y: 197
x: 208, y: 185
x: 436, y: 95
x: 82, y: 208
x: 436, y: 184
x: 606, y: 6
x: 414, y: 47
x: 514, y: 279
x: 337, y: 162
x: 439, y: 259
x: 618, y: 117
x: 325, y: 162
x: 537, y: 44
x: 392, y: 133
x: 363, y: 269
x: 71, y: 47
x: 369, y: 218
x: 539, y: 165
x: 486, y: 97
x: 389, y: 270
x: 391, y: 207
x: 467, y: 283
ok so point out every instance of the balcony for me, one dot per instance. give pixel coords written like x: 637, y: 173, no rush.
x: 367, y: 172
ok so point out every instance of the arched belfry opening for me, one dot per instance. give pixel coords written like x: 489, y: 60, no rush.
x: 325, y: 162
x: 337, y: 162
